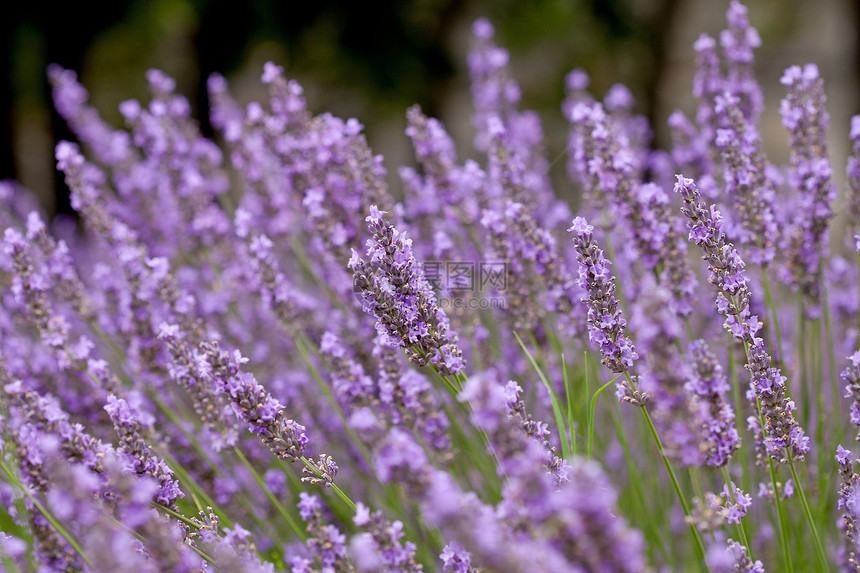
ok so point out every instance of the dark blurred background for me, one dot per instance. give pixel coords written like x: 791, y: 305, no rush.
x: 373, y: 59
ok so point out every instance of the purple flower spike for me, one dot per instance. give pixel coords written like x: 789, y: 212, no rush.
x: 847, y: 502
x: 721, y: 438
x: 393, y: 289
x: 784, y: 438
x: 252, y: 403
x: 852, y: 171
x: 806, y: 118
x: 851, y: 377
x: 606, y: 325
x: 139, y: 455
x: 749, y: 189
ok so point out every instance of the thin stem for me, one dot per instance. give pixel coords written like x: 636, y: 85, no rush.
x: 819, y: 547
x: 568, y: 393
x: 769, y: 301
x: 656, y: 533
x: 700, y: 545
x: 339, y: 492
x: 73, y: 543
x: 274, y: 500
x: 591, y: 415
x: 556, y: 407
x: 831, y: 353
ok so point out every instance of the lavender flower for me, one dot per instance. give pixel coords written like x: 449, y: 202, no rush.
x: 459, y: 514
x: 750, y: 191
x: 579, y: 512
x: 139, y: 455
x: 538, y: 281
x: 212, y: 406
x: 383, y: 541
x: 534, y: 429
x: 851, y: 376
x: 455, y: 559
x: 738, y: 43
x: 325, y: 541
x: 806, y: 118
x: 784, y: 438
x: 847, y: 502
x: 852, y: 172
x: 610, y: 175
x: 732, y: 557
x: 252, y: 403
x: 606, y: 325
x: 721, y: 439
x: 394, y: 290
x: 70, y: 99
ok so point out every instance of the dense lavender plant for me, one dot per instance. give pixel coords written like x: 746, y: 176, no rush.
x: 122, y: 328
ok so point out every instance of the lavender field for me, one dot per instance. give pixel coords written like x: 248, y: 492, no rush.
x: 249, y: 354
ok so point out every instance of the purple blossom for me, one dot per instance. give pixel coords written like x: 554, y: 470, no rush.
x: 383, y: 545
x: 606, y: 325
x: 806, y: 240
x: 750, y: 191
x: 851, y: 377
x: 395, y: 291
x: 709, y: 384
x: 455, y: 559
x: 138, y: 454
x: 784, y: 438
x: 847, y: 502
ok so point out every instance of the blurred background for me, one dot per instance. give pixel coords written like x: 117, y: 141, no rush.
x: 373, y: 59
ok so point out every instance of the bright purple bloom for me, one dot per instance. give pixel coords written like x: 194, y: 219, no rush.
x: 138, y: 454
x: 750, y: 191
x: 395, y: 291
x: 784, y: 438
x: 606, y: 325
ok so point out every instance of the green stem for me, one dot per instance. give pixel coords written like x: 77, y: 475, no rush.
x: 591, y: 415
x: 568, y: 393
x: 700, y: 545
x: 815, y: 350
x: 831, y: 354
x: 801, y: 352
x: 819, y: 547
x: 339, y: 492
x: 274, y: 500
x: 771, y: 304
x: 655, y: 532
x: 47, y: 515
x: 556, y: 407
